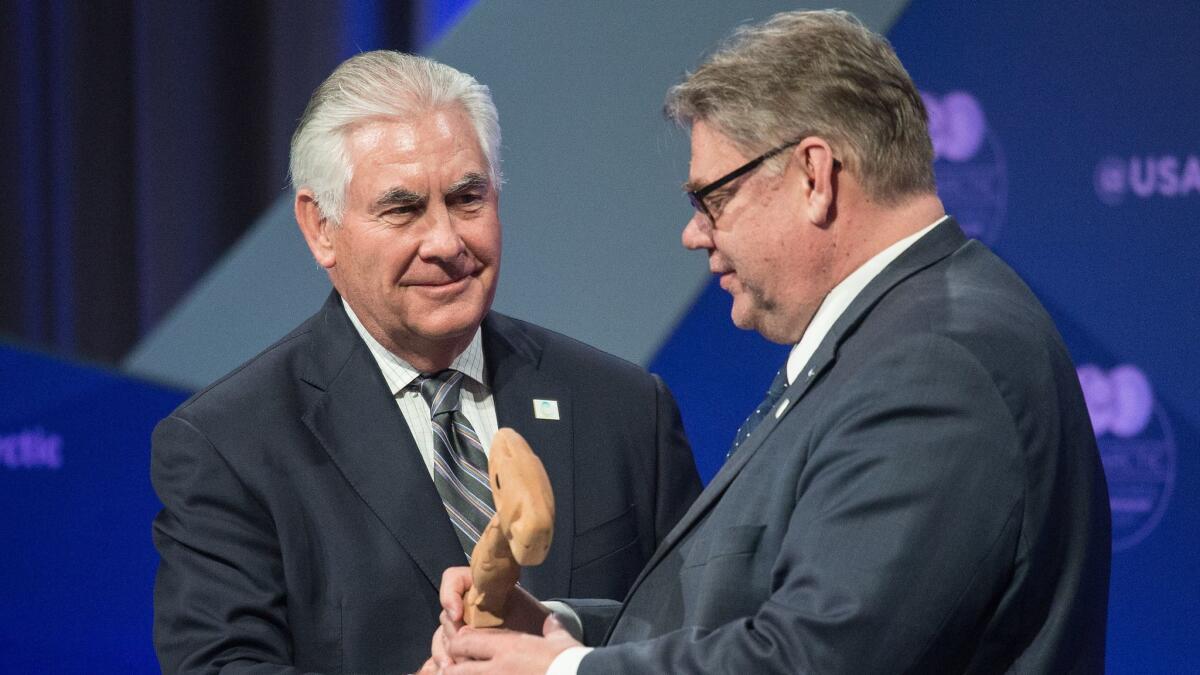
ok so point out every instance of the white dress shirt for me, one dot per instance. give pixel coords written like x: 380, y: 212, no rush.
x: 476, y: 402
x: 831, y: 309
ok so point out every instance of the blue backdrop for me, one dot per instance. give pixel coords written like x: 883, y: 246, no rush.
x: 75, y: 512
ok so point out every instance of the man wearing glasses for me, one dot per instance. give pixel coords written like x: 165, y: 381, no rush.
x: 920, y: 490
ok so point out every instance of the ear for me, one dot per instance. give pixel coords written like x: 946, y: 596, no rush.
x: 814, y: 159
x: 315, y: 228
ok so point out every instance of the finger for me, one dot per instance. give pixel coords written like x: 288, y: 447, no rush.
x: 455, y: 582
x: 552, y: 625
x: 438, y: 651
x: 471, y: 668
x: 557, y: 634
x: 473, y: 644
x: 451, y: 627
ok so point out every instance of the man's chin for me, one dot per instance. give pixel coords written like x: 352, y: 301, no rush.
x: 742, y: 317
x: 448, y: 322
x: 446, y: 331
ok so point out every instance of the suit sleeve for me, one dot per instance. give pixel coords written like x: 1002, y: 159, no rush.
x: 678, y: 481
x: 905, y: 523
x: 219, y: 600
x: 595, y: 617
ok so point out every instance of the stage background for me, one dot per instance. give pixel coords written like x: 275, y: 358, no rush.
x: 153, y: 248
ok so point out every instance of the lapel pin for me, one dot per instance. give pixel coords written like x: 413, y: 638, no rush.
x: 782, y: 406
x: 545, y: 409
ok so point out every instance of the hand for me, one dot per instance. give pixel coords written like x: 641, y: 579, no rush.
x: 522, y: 611
x: 456, y: 581
x: 439, y: 650
x: 429, y: 668
x: 502, y: 651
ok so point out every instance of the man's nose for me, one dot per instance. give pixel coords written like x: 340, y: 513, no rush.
x: 441, y: 240
x: 697, y: 233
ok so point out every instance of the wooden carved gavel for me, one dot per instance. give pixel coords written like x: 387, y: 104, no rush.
x: 519, y: 534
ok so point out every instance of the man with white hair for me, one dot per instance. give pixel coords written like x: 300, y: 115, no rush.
x: 313, y: 497
x: 920, y: 490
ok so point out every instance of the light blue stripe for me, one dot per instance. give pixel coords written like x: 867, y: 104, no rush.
x: 448, y: 475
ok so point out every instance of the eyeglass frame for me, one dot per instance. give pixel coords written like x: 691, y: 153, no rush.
x: 696, y: 197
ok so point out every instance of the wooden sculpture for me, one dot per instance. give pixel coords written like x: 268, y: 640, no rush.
x: 519, y: 534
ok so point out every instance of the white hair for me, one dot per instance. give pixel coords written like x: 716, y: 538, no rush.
x: 379, y: 84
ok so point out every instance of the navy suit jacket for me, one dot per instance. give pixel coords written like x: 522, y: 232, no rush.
x: 301, y: 528
x: 931, y: 500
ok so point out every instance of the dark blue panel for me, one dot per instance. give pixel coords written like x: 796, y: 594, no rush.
x: 717, y: 372
x: 1069, y: 128
x: 361, y: 28
x: 76, y: 501
x: 1149, y: 452
x: 1079, y: 96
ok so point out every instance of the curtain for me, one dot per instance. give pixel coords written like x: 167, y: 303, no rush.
x: 141, y: 139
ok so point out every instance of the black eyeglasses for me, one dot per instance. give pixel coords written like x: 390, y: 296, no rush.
x: 696, y: 197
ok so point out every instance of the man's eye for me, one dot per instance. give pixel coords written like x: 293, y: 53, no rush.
x: 468, y: 199
x: 717, y: 202
x: 400, y: 211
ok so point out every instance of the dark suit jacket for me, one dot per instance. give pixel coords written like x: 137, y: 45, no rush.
x: 301, y: 527
x: 930, y: 501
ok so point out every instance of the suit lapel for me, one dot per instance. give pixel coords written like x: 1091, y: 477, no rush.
x: 934, y: 246
x: 356, y: 420
x: 513, y: 361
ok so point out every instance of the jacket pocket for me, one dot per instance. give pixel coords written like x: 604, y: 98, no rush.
x: 730, y: 541
x: 611, y: 535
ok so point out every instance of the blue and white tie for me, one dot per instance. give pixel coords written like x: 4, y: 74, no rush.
x: 774, y: 392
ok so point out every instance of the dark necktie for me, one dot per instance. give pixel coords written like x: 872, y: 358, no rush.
x: 778, y: 386
x: 460, y: 468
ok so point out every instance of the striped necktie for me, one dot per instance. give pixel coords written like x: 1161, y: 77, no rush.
x: 774, y: 392
x: 460, y: 468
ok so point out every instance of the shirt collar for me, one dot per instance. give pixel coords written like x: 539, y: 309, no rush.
x: 840, y: 297
x: 398, y: 373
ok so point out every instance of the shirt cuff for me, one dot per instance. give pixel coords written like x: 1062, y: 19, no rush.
x: 567, y: 617
x: 567, y: 663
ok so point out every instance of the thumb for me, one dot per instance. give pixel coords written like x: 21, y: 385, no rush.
x: 552, y: 626
x: 557, y: 635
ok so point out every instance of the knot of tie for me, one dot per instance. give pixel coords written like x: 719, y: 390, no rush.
x: 774, y: 393
x: 778, y: 385
x: 441, y: 390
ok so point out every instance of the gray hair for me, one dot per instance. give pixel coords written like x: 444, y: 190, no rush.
x: 816, y: 74
x: 373, y: 85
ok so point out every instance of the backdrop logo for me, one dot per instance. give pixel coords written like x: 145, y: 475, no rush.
x: 969, y: 163
x: 31, y: 449
x: 1137, y: 448
x: 1146, y: 176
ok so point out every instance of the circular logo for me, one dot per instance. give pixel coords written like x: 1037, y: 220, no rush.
x: 1137, y: 448
x: 968, y: 162
x: 1110, y: 181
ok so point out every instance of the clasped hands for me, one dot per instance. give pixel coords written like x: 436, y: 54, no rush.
x: 529, y: 643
